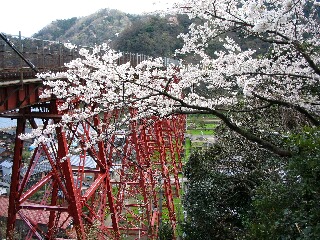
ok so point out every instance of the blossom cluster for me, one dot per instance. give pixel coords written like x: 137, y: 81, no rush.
x: 286, y: 72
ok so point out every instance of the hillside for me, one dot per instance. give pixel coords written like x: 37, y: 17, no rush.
x: 96, y: 28
x: 148, y: 34
x: 154, y: 36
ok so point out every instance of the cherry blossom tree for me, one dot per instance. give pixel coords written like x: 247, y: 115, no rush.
x: 234, y: 80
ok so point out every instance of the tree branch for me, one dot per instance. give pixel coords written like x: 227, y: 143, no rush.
x: 314, y: 121
x: 250, y: 136
x: 307, y: 57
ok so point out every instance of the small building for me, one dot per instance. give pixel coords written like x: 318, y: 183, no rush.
x: 6, y: 168
x: 89, y: 164
x: 3, y: 191
x: 4, y: 188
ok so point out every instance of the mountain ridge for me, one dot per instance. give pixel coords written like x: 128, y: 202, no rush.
x: 96, y: 28
x: 150, y: 34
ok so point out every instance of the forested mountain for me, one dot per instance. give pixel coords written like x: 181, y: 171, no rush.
x: 148, y: 34
x: 152, y: 35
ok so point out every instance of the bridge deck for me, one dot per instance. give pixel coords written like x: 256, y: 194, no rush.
x: 15, y: 94
x: 7, y: 83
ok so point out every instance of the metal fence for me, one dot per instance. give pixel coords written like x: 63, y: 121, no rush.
x: 48, y: 55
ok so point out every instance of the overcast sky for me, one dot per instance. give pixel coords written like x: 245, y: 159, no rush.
x: 29, y: 16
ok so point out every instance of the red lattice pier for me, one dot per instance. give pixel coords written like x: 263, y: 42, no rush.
x: 87, y: 180
x: 112, y: 187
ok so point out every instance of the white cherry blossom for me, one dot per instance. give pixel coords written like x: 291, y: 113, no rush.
x: 285, y: 74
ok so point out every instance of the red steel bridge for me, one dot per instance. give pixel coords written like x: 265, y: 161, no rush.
x: 121, y: 187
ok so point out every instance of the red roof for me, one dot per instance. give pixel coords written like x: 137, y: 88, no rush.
x: 39, y: 216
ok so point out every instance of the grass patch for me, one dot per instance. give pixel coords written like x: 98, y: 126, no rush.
x: 211, y: 125
x: 200, y: 132
x: 187, y: 150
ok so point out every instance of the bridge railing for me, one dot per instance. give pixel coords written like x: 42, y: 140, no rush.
x: 47, y: 55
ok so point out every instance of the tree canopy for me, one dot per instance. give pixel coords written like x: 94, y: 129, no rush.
x: 236, y: 80
x: 236, y: 193
x: 154, y: 36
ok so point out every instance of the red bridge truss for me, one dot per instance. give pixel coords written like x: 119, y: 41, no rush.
x: 119, y: 186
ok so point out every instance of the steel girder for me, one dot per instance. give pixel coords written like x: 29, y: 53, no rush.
x: 108, y: 183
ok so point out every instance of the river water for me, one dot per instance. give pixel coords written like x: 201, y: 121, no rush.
x: 7, y: 123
